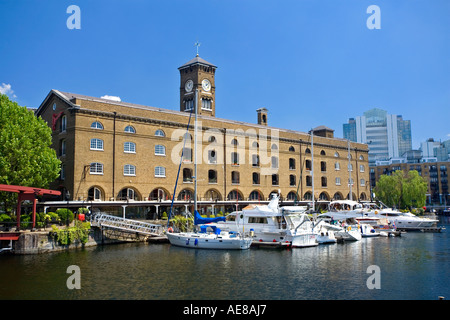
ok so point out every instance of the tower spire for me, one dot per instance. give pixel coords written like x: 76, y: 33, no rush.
x: 197, y: 44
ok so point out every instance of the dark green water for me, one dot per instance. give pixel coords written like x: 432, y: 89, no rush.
x: 415, y: 266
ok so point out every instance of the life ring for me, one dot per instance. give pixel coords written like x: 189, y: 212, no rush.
x: 170, y: 230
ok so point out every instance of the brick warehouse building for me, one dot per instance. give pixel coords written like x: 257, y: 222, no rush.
x: 116, y: 151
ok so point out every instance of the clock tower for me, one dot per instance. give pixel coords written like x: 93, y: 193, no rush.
x: 198, y: 75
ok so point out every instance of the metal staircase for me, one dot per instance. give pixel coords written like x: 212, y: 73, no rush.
x: 127, y: 225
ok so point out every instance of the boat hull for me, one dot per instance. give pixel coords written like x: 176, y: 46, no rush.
x: 304, y: 240
x: 208, y: 241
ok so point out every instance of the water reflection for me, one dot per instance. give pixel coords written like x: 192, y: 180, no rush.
x: 413, y: 266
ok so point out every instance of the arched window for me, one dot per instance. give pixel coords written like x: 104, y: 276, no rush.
x: 292, y: 180
x: 234, y: 195
x: 292, y: 196
x: 130, y: 129
x: 185, y: 195
x: 63, y: 124
x: 127, y: 194
x: 160, y: 133
x: 96, y: 144
x: 160, y: 150
x: 94, y: 194
x: 322, y: 152
x: 160, y: 172
x: 129, y: 147
x: 307, y: 150
x: 291, y: 149
x: 255, y: 195
x: 291, y: 163
x: 96, y: 125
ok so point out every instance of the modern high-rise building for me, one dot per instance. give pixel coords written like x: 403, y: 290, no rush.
x: 388, y: 136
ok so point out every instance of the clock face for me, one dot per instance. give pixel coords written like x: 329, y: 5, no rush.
x: 206, y: 85
x: 189, y: 85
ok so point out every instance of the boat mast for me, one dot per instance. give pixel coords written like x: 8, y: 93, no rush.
x: 312, y: 167
x: 350, y: 196
x: 195, y: 152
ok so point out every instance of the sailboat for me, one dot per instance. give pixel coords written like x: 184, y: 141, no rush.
x: 204, y: 236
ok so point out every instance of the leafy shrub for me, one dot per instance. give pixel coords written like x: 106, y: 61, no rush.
x: 65, y: 215
x: 80, y: 231
x: 5, y: 218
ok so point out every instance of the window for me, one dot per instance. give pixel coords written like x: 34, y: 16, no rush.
x: 255, y: 195
x: 234, y: 142
x: 308, y: 181
x: 361, y: 168
x: 274, y: 146
x: 322, y: 153
x: 235, y: 158
x: 308, y: 165
x: 63, y: 125
x: 274, y: 162
x: 324, y: 181
x: 212, y: 139
x: 307, y: 150
x: 129, y: 170
x: 96, y: 168
x: 212, y: 156
x: 160, y: 150
x: 187, y: 175
x: 160, y: 172
x: 96, y: 125
x: 187, y: 154
x: 363, y: 182
x: 291, y: 163
x: 206, y: 104
x: 350, y: 167
x: 255, y: 178
x: 185, y: 195
x: 212, y: 176
x: 291, y: 149
x: 338, y: 181
x: 129, y: 147
x: 336, y: 155
x: 188, y: 105
x: 275, y: 180
x: 127, y: 194
x: 62, y: 151
x: 160, y: 133
x: 94, y: 194
x: 337, y: 166
x: 62, y: 173
x: 292, y: 180
x: 361, y: 158
x: 262, y: 220
x: 235, y: 177
x: 255, y: 145
x: 96, y: 144
x: 234, y: 195
x: 255, y: 160
x: 323, y: 166
x: 130, y: 129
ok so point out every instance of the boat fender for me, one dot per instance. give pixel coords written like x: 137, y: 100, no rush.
x: 187, y: 242
x: 252, y: 233
x: 196, y: 242
x: 170, y: 229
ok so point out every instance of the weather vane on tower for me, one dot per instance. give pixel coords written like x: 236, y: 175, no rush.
x: 197, y: 44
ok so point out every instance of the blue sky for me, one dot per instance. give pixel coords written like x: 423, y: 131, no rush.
x: 309, y: 62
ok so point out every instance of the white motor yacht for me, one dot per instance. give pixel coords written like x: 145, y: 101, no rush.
x: 269, y: 224
x: 401, y: 220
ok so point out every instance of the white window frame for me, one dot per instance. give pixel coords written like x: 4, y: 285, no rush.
x: 129, y: 147
x: 96, y: 144
x: 160, y: 150
x: 129, y: 170
x: 160, y: 172
x: 98, y: 168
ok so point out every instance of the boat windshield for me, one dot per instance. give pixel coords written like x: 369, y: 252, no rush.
x: 231, y: 217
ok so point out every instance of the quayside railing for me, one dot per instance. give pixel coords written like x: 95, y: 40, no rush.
x: 127, y: 225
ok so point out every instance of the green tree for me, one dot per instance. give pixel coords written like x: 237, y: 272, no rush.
x: 414, y: 190
x: 388, y: 190
x: 402, y: 190
x: 26, y: 158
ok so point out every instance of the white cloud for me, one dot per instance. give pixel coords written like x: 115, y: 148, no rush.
x: 6, y: 89
x: 113, y: 98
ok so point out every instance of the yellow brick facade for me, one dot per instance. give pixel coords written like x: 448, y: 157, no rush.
x: 281, y: 152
